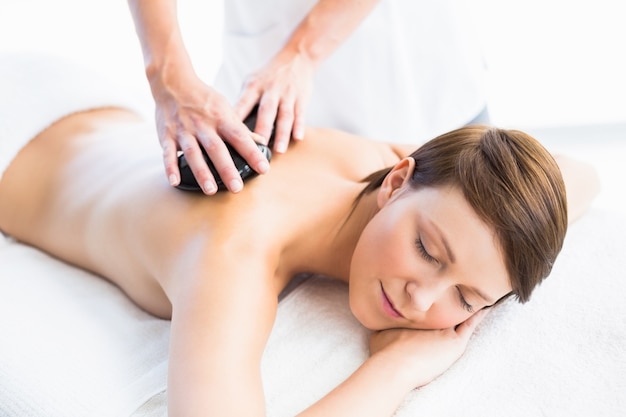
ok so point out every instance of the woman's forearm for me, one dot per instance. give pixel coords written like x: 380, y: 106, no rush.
x: 376, y: 389
x: 326, y: 27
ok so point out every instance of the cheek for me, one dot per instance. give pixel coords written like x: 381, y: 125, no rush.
x: 367, y: 260
x: 380, y: 251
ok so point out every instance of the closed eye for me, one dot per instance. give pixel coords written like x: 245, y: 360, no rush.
x: 423, y: 252
x: 467, y: 306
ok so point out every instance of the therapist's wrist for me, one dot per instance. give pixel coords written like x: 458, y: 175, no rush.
x: 300, y: 56
x: 168, y: 74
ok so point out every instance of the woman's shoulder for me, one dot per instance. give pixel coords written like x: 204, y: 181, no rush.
x: 362, y: 153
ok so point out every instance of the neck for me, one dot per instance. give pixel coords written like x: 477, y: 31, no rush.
x: 329, y: 246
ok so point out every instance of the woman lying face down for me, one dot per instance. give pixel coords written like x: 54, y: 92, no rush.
x: 425, y: 242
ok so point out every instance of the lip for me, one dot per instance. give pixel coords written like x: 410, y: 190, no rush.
x: 388, y: 305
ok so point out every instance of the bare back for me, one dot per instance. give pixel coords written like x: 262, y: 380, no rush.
x: 97, y: 197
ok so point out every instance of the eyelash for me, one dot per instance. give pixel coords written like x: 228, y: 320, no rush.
x: 468, y: 307
x: 427, y: 256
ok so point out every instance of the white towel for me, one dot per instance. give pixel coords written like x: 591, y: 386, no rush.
x: 71, y: 344
x: 37, y: 89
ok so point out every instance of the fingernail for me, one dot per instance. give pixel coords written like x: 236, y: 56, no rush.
x: 209, y: 187
x: 236, y: 185
x: 282, y: 148
x: 264, y: 166
x: 298, y: 134
x: 173, y: 179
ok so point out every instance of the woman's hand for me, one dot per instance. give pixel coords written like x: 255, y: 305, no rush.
x: 190, y: 114
x: 282, y: 89
x: 422, y: 355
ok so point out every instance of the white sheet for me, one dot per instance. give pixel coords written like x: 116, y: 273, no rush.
x: 73, y: 345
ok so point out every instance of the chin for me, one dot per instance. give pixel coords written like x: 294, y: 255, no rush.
x: 365, y: 316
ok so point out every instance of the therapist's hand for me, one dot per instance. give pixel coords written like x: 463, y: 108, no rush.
x: 282, y: 89
x: 190, y: 114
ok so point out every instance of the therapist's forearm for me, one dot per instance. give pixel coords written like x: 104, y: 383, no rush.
x: 326, y: 27
x: 156, y: 24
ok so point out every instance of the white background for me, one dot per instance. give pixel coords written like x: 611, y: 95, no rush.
x: 551, y: 62
x: 555, y: 62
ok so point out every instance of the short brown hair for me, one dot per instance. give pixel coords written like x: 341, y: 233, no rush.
x: 513, y: 184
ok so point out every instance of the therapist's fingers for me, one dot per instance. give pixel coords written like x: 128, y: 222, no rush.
x: 237, y: 134
x: 170, y: 160
x: 224, y: 126
x: 169, y: 146
x: 266, y: 116
x: 281, y: 89
x: 193, y: 154
x: 299, y: 111
x: 284, y: 126
x: 246, y: 103
x: 249, y: 98
x: 222, y: 161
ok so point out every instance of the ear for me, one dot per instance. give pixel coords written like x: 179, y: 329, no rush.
x: 399, y: 176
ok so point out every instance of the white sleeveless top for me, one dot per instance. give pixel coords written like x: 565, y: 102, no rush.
x: 413, y: 69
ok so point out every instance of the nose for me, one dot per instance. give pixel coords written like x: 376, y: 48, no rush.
x: 424, y: 295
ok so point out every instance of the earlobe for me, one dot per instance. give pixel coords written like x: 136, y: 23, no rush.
x: 397, y: 178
